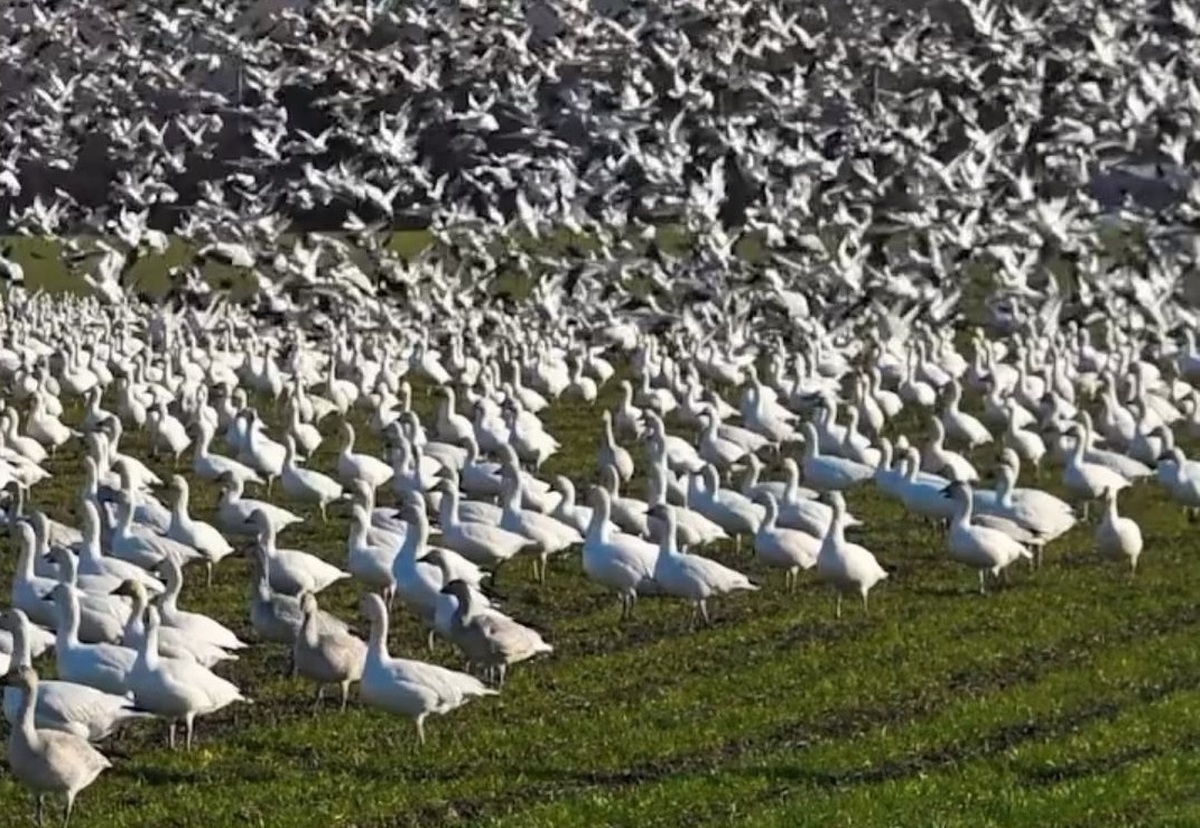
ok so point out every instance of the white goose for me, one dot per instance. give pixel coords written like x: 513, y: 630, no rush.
x: 103, y: 666
x: 176, y: 689
x: 172, y: 642
x: 482, y: 544
x: 787, y: 549
x: 352, y: 467
x: 847, y: 567
x: 615, y: 560
x: 324, y: 655
x: 827, y: 473
x: 411, y: 688
x: 982, y: 548
x: 64, y: 705
x: 1118, y: 538
x: 197, y: 534
x: 194, y: 625
x: 234, y: 510
x: 547, y: 536
x: 209, y: 466
x: 692, y: 577
x: 1088, y: 481
x: 293, y: 571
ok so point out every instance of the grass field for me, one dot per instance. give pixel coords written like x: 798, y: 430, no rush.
x: 1072, y: 697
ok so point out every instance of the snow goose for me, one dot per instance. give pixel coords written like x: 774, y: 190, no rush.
x: 101, y: 615
x: 983, y: 548
x: 293, y: 571
x: 309, y: 486
x: 307, y: 437
x: 176, y: 689
x: 370, y: 563
x: 682, y: 457
x: 788, y: 549
x: 27, y: 447
x: 326, y: 656
x: 140, y: 545
x: 196, y: 626
x: 847, y: 567
x: 483, y: 544
x: 568, y: 511
x: 449, y: 425
x: 692, y: 527
x: 627, y: 512
x: 411, y: 688
x: 63, y: 705
x: 209, y: 466
x: 488, y: 637
x: 615, y: 560
x: 45, y: 427
x: 417, y: 583
x: 172, y: 643
x: 102, y: 665
x: 751, y: 486
x: 692, y: 577
x: 352, y: 466
x: 801, y: 512
x: 167, y: 433
x: 938, y: 459
x: 48, y: 761
x: 715, y: 449
x: 1118, y: 538
x: 612, y: 454
x: 732, y: 511
x: 959, y: 425
x: 627, y: 417
x: 259, y: 452
x: 1085, y: 480
x: 1123, y: 465
x: 527, y: 437
x: 450, y: 455
x: 234, y: 510
x: 827, y: 472
x: 547, y: 536
x: 197, y: 534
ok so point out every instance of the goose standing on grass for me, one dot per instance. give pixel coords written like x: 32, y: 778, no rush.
x: 63, y: 705
x: 103, y: 666
x: 48, y: 761
x: 143, y: 546
x: 234, y: 510
x: 1118, y: 538
x: 1088, y: 481
x: 984, y: 548
x: 167, y: 433
x: 92, y: 562
x: 196, y: 626
x: 293, y: 571
x: 828, y: 473
x: 961, y: 426
x: 692, y: 577
x: 411, y: 688
x: 274, y: 616
x: 481, y: 543
x: 621, y: 562
x: 788, y: 549
x: 259, y: 452
x: 547, y: 536
x: 172, y: 643
x: 612, y: 454
x: 449, y: 425
x: 197, y: 534
x: 309, y: 486
x: 370, y: 563
x: 568, y: 511
x: 847, y: 567
x: 326, y: 656
x: 176, y: 689
x: 209, y: 466
x: 489, y: 638
x: 352, y: 466
x: 45, y: 427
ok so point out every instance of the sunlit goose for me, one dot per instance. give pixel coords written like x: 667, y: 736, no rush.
x: 692, y: 527
x: 959, y: 425
x: 568, y: 511
x: 788, y: 549
x: 488, y: 637
x: 64, y: 705
x: 618, y: 561
x: 141, y: 545
x: 293, y: 571
x: 48, y: 761
x: 176, y: 689
x: 326, y: 656
x: 102, y: 665
x: 527, y: 437
x: 827, y: 472
x: 627, y: 417
x: 172, y: 642
x: 920, y: 492
x: 752, y: 486
x: 1088, y: 481
x: 612, y: 454
x: 417, y: 583
x: 805, y: 514
x: 681, y: 456
x: 732, y: 511
x: 938, y: 459
x: 692, y: 577
x: 628, y: 513
x: 982, y: 548
x: 369, y: 563
x: 27, y: 447
x: 1041, y: 512
x: 209, y: 466
x: 234, y: 511
x: 547, y: 535
x: 1123, y: 465
x: 45, y: 427
x: 309, y: 486
x: 411, y: 688
x: 195, y: 533
x: 449, y: 455
x: 353, y: 466
x: 259, y: 452
x: 306, y: 436
x: 847, y: 567
x: 196, y: 626
x: 482, y: 544
x: 1118, y: 538
x: 101, y: 615
x: 715, y: 449
x: 167, y: 433
x: 449, y: 425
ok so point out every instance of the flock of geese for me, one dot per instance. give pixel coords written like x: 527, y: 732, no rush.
x: 891, y: 254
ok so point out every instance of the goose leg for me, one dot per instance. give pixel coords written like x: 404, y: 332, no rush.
x: 704, y: 613
x: 345, y: 694
x: 190, y: 724
x: 70, y: 806
x: 420, y: 720
x: 171, y: 734
x: 501, y: 672
x: 320, y: 697
x: 866, y: 610
x: 982, y: 582
x: 324, y: 514
x: 429, y: 642
x: 837, y: 606
x: 208, y: 566
x: 38, y: 802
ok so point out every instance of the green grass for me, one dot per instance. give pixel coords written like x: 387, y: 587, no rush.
x: 1068, y: 698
